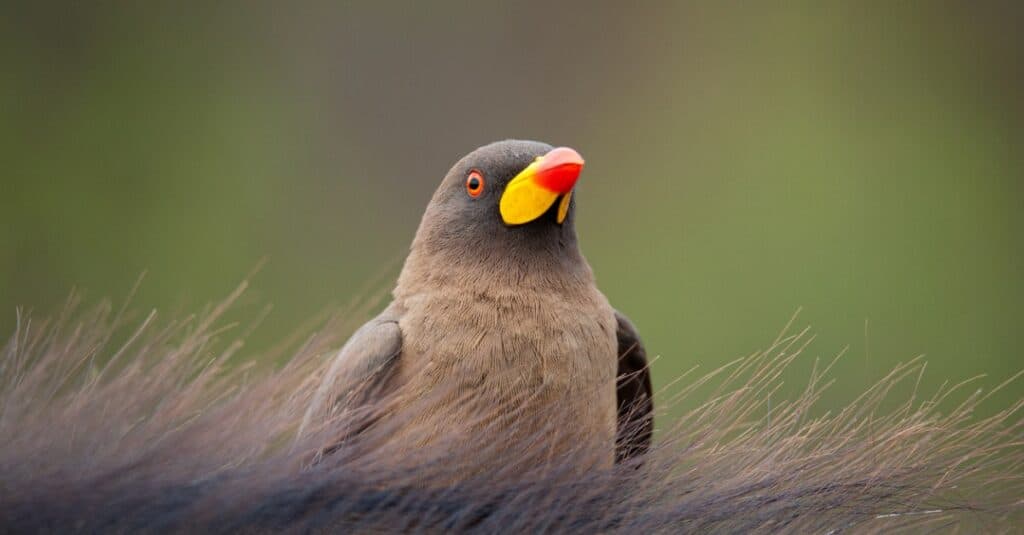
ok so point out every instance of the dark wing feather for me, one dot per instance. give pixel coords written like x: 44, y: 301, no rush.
x: 634, y: 393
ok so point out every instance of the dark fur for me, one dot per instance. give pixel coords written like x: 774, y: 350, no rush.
x: 153, y: 434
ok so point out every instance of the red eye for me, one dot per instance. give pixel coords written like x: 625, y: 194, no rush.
x: 475, y: 183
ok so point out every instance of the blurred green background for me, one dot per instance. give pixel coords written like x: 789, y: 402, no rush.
x: 863, y: 161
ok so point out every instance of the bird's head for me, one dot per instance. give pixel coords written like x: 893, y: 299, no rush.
x: 506, y: 207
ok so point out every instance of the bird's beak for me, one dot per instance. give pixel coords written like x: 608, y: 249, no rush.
x: 532, y: 192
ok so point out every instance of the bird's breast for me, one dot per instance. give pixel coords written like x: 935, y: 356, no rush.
x: 527, y: 338
x: 557, y: 352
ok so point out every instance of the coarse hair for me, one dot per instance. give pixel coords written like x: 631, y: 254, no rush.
x: 115, y: 422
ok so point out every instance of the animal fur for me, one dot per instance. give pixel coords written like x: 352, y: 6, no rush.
x: 115, y: 422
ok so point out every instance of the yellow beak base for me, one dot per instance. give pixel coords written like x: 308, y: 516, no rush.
x: 524, y: 200
x: 563, y: 207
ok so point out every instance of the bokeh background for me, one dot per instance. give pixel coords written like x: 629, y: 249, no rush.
x: 863, y: 161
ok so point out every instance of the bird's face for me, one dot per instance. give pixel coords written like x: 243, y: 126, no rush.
x: 514, y: 182
x: 508, y: 196
x: 502, y: 217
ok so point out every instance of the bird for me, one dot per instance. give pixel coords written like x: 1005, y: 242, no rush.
x: 497, y: 308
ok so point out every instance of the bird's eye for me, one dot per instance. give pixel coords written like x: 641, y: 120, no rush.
x: 475, y: 183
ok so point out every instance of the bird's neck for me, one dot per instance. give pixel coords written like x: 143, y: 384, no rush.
x: 561, y: 271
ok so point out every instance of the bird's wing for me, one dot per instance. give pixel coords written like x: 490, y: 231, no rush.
x: 358, y: 368
x: 634, y: 393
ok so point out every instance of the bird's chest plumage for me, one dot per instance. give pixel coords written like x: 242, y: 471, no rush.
x: 525, y: 339
x: 557, y: 350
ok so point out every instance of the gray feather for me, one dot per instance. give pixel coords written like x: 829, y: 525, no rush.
x: 369, y: 353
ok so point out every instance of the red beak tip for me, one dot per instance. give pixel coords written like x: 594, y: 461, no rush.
x: 559, y: 169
